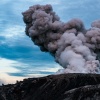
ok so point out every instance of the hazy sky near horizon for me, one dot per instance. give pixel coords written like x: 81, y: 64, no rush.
x: 19, y: 57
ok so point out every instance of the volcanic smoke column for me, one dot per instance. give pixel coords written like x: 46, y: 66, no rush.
x: 74, y: 48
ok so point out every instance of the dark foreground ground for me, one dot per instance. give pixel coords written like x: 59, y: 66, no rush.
x: 54, y: 87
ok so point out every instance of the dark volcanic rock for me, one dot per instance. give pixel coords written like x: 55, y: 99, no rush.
x: 54, y: 87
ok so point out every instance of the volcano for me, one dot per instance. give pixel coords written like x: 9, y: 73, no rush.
x: 54, y: 87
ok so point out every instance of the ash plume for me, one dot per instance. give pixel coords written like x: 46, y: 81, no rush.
x: 75, y: 48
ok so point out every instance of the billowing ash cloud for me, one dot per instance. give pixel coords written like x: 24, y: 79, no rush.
x: 73, y: 47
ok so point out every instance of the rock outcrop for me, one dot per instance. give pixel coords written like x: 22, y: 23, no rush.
x: 54, y: 87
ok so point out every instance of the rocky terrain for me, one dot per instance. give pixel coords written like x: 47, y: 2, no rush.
x: 54, y: 87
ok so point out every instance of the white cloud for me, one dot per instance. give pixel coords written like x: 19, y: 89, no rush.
x: 36, y: 75
x: 15, y: 35
x: 6, y: 66
x: 13, y: 32
x: 6, y: 79
x: 53, y: 68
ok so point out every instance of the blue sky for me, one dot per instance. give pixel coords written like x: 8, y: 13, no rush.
x: 19, y: 57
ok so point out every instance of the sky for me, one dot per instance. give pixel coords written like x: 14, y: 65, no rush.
x: 19, y: 57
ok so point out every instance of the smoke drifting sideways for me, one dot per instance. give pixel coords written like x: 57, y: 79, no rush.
x: 75, y: 48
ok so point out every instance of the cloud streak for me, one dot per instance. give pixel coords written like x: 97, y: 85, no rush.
x: 7, y: 66
x: 12, y: 70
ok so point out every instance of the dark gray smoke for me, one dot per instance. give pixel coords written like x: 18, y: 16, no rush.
x: 74, y: 48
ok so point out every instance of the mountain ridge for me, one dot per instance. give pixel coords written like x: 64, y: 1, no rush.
x: 71, y: 86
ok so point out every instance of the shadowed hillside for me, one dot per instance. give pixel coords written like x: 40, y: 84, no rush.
x: 54, y: 87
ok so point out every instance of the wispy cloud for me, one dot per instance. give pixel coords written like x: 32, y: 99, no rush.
x: 12, y: 70
x: 6, y: 66
x: 15, y: 36
x: 13, y: 32
x: 35, y: 69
